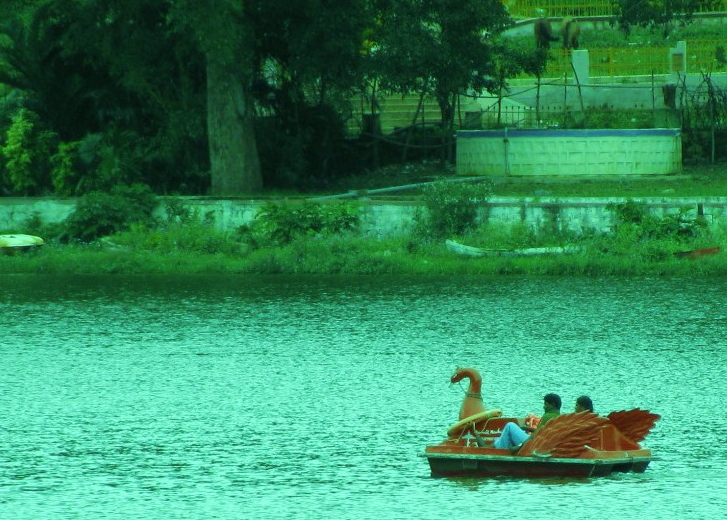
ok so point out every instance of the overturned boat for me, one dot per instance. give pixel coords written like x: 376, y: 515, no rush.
x: 578, y: 445
x: 11, y: 244
x: 477, y: 252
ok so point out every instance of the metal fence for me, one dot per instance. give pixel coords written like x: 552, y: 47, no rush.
x: 563, y: 117
x: 560, y: 8
x: 702, y: 56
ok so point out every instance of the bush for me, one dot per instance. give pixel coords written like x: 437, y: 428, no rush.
x: 451, y: 208
x: 27, y: 150
x: 282, y: 223
x: 100, y: 214
x: 305, y: 147
x: 633, y: 219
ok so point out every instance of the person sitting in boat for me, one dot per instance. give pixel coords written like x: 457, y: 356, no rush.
x: 513, y: 436
x: 584, y: 404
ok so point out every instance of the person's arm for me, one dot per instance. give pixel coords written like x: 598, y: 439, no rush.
x: 523, y: 424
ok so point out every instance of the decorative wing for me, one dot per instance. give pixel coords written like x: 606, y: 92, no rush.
x: 565, y: 435
x: 634, y: 424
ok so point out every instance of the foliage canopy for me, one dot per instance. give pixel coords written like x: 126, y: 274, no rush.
x: 164, y: 92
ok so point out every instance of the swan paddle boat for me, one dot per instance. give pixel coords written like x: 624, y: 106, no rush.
x: 577, y: 445
x: 10, y: 244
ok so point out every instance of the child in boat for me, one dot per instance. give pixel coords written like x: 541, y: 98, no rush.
x: 513, y: 436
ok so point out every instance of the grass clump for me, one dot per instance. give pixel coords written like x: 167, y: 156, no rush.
x: 622, y: 253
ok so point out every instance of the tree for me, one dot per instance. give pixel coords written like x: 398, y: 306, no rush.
x: 437, y: 47
x: 652, y: 13
x: 129, y: 69
x: 224, y: 35
x: 309, y: 61
x: 124, y: 94
x: 57, y: 84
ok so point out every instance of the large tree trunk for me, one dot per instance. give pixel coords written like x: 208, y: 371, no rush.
x: 234, y: 161
x: 447, y: 109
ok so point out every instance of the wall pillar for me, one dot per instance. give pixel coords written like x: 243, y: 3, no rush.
x: 678, y: 59
x: 581, y: 66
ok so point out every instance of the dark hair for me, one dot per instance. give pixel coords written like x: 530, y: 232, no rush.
x: 585, y: 402
x: 553, y: 399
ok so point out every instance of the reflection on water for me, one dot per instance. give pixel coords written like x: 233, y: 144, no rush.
x: 163, y: 397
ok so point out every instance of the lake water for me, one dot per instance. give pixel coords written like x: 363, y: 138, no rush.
x: 297, y: 398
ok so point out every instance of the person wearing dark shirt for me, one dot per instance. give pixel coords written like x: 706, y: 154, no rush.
x: 584, y: 404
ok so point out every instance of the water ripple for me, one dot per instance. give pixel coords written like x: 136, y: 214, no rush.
x: 314, y: 398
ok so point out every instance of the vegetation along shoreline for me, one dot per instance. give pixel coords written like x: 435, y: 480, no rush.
x: 117, y: 233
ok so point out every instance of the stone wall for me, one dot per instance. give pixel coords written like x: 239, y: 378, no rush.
x: 396, y: 218
x: 15, y: 212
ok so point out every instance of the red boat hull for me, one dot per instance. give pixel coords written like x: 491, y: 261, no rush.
x: 698, y: 253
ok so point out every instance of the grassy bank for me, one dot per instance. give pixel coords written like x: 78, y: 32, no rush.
x: 324, y: 239
x: 696, y: 180
x: 352, y: 254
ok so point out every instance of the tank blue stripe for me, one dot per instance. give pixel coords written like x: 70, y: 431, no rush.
x: 607, y: 132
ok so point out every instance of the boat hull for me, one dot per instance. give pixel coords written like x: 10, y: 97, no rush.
x: 11, y: 244
x: 487, y: 462
x: 698, y: 253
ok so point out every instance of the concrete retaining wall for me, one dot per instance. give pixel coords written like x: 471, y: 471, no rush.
x: 15, y: 212
x: 569, y: 152
x: 396, y: 218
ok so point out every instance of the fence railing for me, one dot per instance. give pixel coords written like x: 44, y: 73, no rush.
x: 560, y: 8
x: 702, y: 56
x: 564, y: 117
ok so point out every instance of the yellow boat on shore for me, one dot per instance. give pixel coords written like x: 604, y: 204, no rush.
x: 10, y: 244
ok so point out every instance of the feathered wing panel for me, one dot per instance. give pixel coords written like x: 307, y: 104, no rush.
x: 634, y: 424
x: 565, y: 436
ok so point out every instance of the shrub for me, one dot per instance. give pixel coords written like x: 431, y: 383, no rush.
x: 64, y: 174
x: 634, y: 219
x: 282, y: 223
x: 27, y: 150
x: 451, y: 208
x: 99, y: 214
x: 304, y: 146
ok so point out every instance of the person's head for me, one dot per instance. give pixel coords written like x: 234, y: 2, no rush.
x: 584, y: 404
x: 551, y: 403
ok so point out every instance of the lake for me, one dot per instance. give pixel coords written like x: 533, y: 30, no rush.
x: 313, y: 397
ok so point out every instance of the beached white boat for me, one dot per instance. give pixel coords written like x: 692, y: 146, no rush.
x: 465, y: 250
x: 10, y: 244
